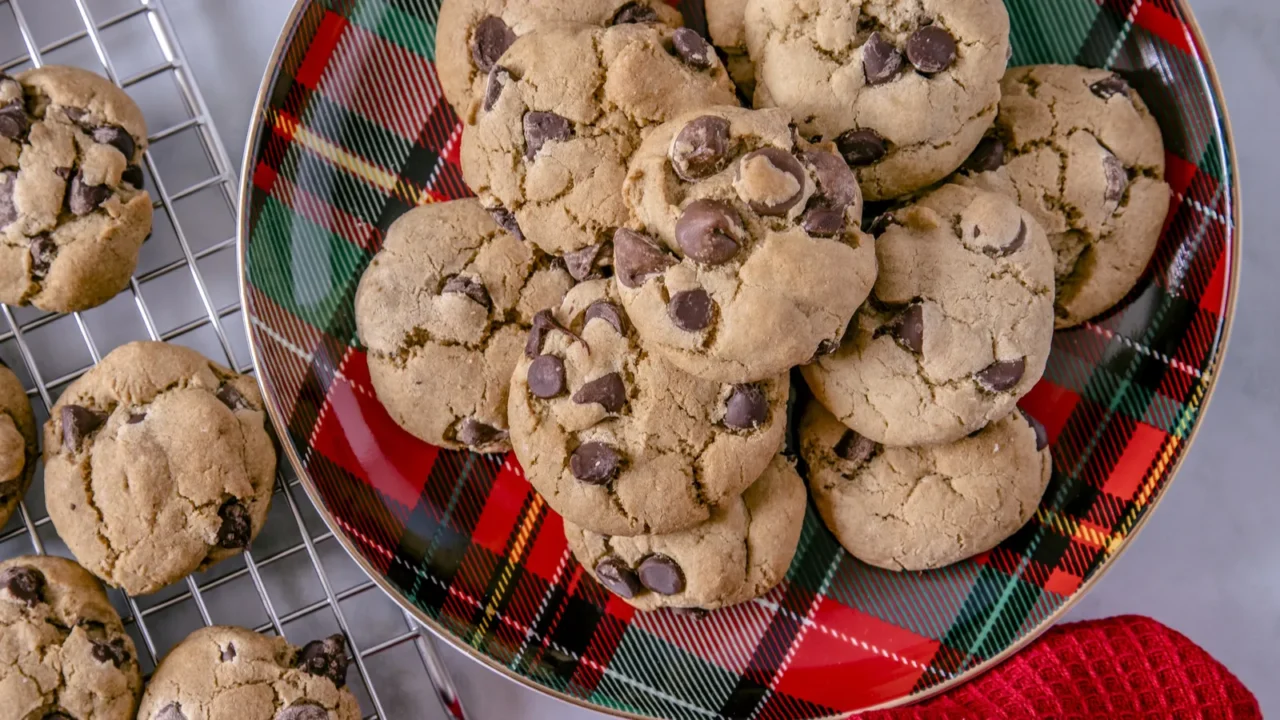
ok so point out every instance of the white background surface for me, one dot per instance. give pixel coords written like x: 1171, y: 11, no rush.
x: 1208, y: 562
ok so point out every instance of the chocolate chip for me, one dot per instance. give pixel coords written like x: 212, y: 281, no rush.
x: 881, y: 61
x: 544, y: 323
x: 475, y: 434
x: 1002, y: 376
x: 1117, y: 178
x: 84, y: 199
x: 541, y: 128
x: 780, y: 161
x: 136, y: 418
x: 172, y: 711
x: 823, y: 222
x: 693, y: 49
x: 855, y: 448
x: 691, y: 310
x: 1042, y: 435
x: 134, y: 176
x: 303, y: 711
x: 662, y: 575
x: 14, y: 122
x: 499, y: 77
x: 79, y: 423
x: 608, y: 312
x: 617, y: 578
x: 837, y: 190
x: 589, y: 262
x: 1014, y: 245
x: 987, y: 157
x: 634, y: 12
x: 232, y: 398
x: 547, y: 378
x: 43, y: 251
x: 462, y: 285
x: 931, y: 49
x: 1110, y: 87
x: 229, y: 652
x: 64, y: 172
x: 8, y: 209
x: 701, y: 149
x: 75, y: 115
x: 880, y: 223
x: 25, y: 584
x: 595, y: 463
x: 236, y: 527
x: 908, y: 328
x: 507, y: 221
x: 708, y: 232
x: 826, y: 347
x: 637, y: 259
x: 113, y: 651
x: 608, y: 392
x: 326, y: 658
x: 862, y: 147
x: 117, y: 137
x: 747, y: 408
x: 492, y: 38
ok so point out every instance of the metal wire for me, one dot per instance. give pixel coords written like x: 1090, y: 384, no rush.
x: 224, y: 179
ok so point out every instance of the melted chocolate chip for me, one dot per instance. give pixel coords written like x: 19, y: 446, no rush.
x: 608, y: 392
x: 662, y: 575
x: 172, y: 711
x: 14, y: 122
x: 908, y: 328
x: 837, y: 190
x: 134, y: 176
x: 541, y: 128
x: 136, y: 418
x: 303, y: 711
x: 617, y: 578
x: 691, y: 310
x: 507, y: 221
x: 8, y: 209
x: 1042, y: 435
x: 1002, y: 376
x: 492, y: 38
x: 862, y: 147
x: 1117, y: 178
x: 608, y: 312
x: 236, y: 528
x: 702, y: 148
x: 855, y: 448
x: 637, y: 259
x: 79, y: 423
x: 635, y: 13
x: 747, y: 408
x: 987, y: 157
x: 708, y: 232
x: 43, y: 251
x: 778, y: 161
x: 326, y: 658
x: 229, y: 652
x: 462, y: 285
x: 475, y: 434
x: 499, y: 78
x: 117, y: 137
x: 595, y: 463
x: 1014, y: 245
x: 231, y: 397
x: 881, y: 61
x: 113, y: 651
x: 544, y: 323
x: 1108, y: 88
x: 25, y: 584
x: 84, y: 199
x: 931, y: 49
x: 590, y: 262
x: 693, y: 49
x: 547, y: 378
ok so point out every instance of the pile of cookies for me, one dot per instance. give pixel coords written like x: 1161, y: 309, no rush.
x: 670, y: 237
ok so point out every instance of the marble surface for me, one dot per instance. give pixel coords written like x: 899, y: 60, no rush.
x: 1208, y: 562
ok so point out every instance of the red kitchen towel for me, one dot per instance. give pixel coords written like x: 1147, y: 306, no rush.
x: 1117, y: 669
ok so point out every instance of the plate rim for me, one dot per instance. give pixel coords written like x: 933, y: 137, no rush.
x: 243, y: 215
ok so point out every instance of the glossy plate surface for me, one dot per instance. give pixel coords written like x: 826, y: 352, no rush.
x: 353, y: 131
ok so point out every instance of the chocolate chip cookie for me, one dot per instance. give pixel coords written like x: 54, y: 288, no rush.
x: 229, y: 672
x: 18, y: 436
x: 726, y: 23
x: 443, y: 310
x: 748, y: 258
x: 905, y: 89
x: 926, y: 507
x: 958, y: 328
x: 620, y: 442
x: 157, y: 464
x: 740, y: 553
x: 73, y: 212
x: 564, y: 112
x: 63, y: 651
x: 472, y: 35
x: 1080, y: 151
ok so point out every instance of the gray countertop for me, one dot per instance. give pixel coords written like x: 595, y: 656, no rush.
x: 1208, y: 562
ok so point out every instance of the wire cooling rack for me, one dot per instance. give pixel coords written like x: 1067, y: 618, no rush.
x: 297, y: 581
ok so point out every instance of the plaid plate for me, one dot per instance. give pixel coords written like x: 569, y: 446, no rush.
x: 355, y: 132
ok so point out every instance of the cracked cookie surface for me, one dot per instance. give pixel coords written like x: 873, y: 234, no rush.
x: 1081, y: 152
x: 740, y: 553
x: 906, y: 89
x: 73, y: 212
x: 472, y: 35
x: 157, y: 464
x: 622, y: 443
x: 63, y: 651
x: 751, y: 259
x: 726, y: 23
x: 564, y: 112
x: 230, y: 672
x: 926, y: 507
x: 443, y: 310
x: 18, y: 448
x: 958, y: 328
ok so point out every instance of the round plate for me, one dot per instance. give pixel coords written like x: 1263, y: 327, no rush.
x: 352, y: 131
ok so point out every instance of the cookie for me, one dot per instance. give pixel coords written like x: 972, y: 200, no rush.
x: 157, y: 464
x: 925, y: 507
x: 1080, y: 151
x: 750, y: 258
x: 63, y: 651
x: 564, y: 112
x: 18, y: 451
x: 740, y: 553
x: 905, y: 89
x: 958, y: 328
x: 622, y: 443
x: 443, y: 310
x: 472, y: 35
x: 726, y: 23
x: 73, y: 212
x: 230, y: 672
